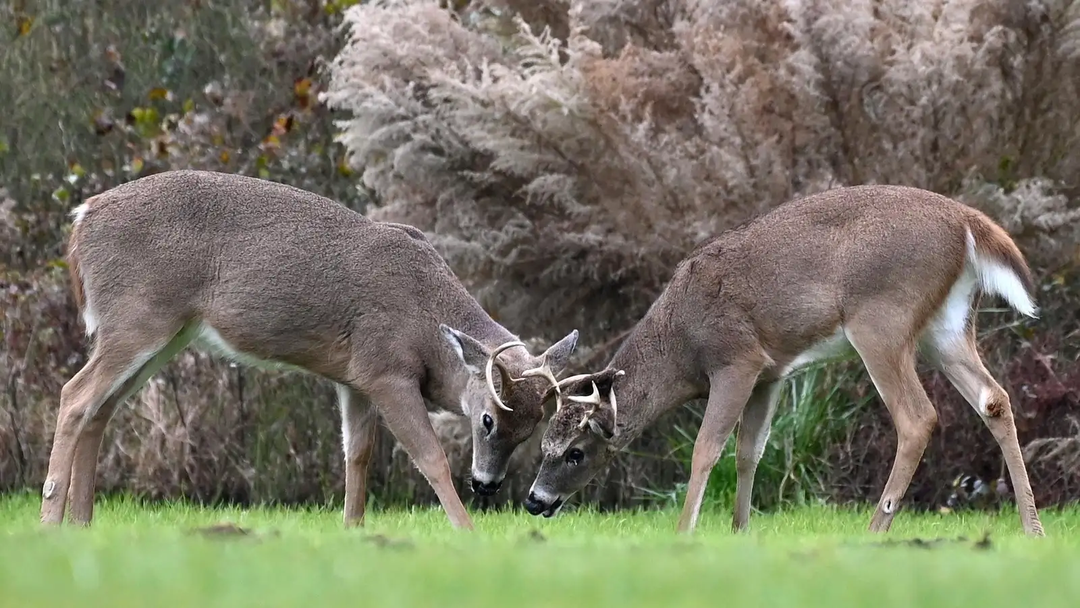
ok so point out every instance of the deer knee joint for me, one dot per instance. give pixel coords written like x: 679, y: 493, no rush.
x: 993, y: 403
x: 923, y: 425
x: 744, y: 463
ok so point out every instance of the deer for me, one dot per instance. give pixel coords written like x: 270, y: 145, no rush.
x: 882, y: 273
x: 273, y: 276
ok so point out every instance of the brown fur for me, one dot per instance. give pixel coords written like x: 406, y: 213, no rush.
x: 284, y: 276
x: 74, y: 274
x: 876, y: 263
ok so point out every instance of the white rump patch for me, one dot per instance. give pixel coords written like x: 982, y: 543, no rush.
x: 996, y: 278
x: 89, y: 315
x: 950, y: 321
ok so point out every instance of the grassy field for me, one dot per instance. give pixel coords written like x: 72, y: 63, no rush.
x: 157, y: 556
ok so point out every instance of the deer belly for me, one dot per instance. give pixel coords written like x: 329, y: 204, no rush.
x: 209, y: 339
x: 834, y: 346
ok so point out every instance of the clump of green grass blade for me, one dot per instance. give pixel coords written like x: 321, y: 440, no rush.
x: 139, y: 554
x: 813, y: 413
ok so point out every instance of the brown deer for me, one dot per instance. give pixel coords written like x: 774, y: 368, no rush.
x: 268, y: 274
x: 881, y: 272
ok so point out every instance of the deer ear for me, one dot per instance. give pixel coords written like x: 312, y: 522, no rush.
x: 469, y: 350
x: 605, y: 380
x: 601, y: 424
x: 557, y: 356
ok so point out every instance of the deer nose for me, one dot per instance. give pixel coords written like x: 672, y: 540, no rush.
x: 486, y: 489
x: 534, y: 505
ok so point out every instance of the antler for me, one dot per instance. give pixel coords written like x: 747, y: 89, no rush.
x: 558, y: 385
x: 543, y: 371
x: 594, y: 400
x: 490, y: 378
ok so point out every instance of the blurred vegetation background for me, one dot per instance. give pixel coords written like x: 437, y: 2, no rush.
x: 563, y: 155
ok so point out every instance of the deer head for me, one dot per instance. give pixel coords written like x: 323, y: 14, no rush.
x: 578, y: 442
x: 504, y: 407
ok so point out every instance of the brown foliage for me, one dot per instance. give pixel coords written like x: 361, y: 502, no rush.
x: 578, y: 172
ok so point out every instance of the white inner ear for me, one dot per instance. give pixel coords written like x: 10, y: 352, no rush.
x: 455, y: 343
x: 599, y: 430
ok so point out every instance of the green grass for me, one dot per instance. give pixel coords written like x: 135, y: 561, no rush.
x: 148, y: 556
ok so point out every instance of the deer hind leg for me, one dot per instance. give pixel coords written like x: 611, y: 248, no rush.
x: 359, y: 426
x: 958, y: 358
x: 752, y: 435
x: 399, y: 403
x: 81, y: 492
x: 121, y: 362
x: 889, y: 357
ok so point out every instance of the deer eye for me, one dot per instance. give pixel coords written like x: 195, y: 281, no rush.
x: 488, y: 422
x: 574, y: 456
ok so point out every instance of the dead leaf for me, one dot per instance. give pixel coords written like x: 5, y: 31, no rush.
x: 160, y: 93
x: 23, y: 25
x: 271, y: 142
x: 282, y: 125
x: 343, y: 167
x: 302, y: 92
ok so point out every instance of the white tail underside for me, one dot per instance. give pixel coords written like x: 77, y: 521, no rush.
x: 997, y: 278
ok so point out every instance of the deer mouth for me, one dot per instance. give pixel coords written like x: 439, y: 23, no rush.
x: 553, y: 508
x: 536, y: 506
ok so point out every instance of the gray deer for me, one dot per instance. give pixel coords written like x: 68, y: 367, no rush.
x: 881, y: 272
x: 272, y: 275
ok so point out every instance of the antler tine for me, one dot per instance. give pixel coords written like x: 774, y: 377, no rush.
x: 614, y: 410
x: 489, y: 368
x: 593, y: 399
x: 561, y: 384
x: 566, y: 381
x: 544, y: 371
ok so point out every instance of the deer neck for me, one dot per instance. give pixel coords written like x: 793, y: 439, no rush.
x: 660, y: 376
